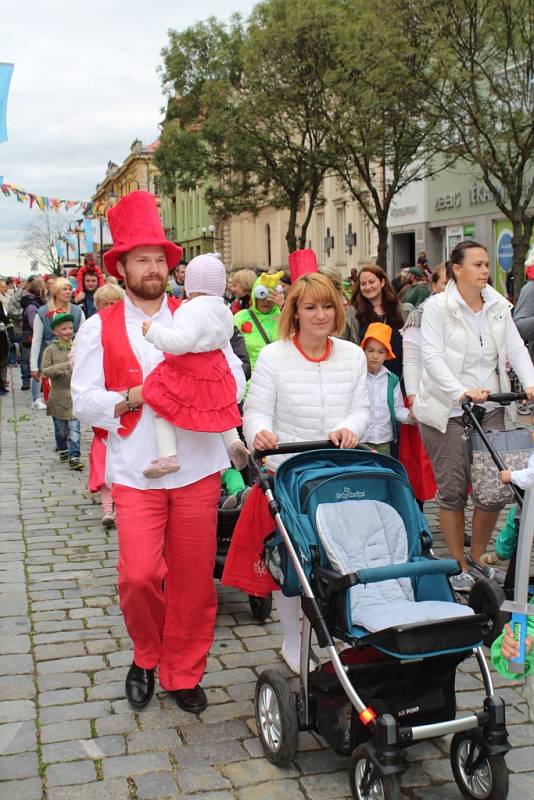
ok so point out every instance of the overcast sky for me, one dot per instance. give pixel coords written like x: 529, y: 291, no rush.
x: 84, y: 87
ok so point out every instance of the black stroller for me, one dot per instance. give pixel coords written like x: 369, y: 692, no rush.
x: 352, y: 542
x: 487, y: 597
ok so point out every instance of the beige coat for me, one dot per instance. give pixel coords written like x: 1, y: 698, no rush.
x: 55, y: 365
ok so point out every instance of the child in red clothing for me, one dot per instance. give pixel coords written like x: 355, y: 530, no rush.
x: 193, y: 387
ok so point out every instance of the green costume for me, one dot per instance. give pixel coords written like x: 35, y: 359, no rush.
x: 505, y: 544
x: 244, y: 322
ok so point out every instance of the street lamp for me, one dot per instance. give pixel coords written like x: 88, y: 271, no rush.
x: 78, y: 230
x: 211, y: 237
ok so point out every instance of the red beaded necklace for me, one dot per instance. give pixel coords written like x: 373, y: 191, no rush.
x: 324, y: 356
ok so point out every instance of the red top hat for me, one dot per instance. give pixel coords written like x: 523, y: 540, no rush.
x: 135, y: 222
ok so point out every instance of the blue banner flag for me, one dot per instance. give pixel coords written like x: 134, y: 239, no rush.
x: 88, y: 226
x: 6, y: 71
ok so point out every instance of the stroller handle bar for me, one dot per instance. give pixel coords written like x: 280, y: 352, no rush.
x: 503, y: 398
x: 293, y: 448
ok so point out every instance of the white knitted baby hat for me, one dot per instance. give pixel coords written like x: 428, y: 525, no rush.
x: 206, y: 274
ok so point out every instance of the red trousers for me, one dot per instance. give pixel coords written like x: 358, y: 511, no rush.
x: 167, y: 544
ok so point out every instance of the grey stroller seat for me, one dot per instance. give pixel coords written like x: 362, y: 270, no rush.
x: 359, y: 534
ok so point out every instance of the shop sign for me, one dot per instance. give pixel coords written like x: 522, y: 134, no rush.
x: 479, y: 194
x: 403, y: 211
x: 505, y: 250
x: 445, y: 201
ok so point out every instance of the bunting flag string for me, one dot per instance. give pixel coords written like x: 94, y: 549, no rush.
x: 87, y: 208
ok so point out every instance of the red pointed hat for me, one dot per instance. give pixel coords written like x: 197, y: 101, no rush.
x: 135, y: 222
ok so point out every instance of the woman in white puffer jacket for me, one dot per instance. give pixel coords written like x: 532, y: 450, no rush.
x: 307, y: 386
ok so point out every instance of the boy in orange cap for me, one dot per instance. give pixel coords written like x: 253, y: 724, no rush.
x: 385, y: 396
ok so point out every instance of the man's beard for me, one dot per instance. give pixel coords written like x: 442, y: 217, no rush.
x: 146, y: 289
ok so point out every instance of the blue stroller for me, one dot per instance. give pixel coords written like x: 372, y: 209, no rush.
x: 352, y: 542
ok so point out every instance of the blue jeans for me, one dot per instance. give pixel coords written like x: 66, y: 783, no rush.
x: 67, y: 432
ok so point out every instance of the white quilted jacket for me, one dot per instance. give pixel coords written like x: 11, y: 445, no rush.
x: 303, y: 401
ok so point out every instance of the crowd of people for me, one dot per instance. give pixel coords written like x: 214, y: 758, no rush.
x: 178, y: 368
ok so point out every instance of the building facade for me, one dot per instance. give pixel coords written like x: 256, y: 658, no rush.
x: 187, y: 221
x: 338, y: 232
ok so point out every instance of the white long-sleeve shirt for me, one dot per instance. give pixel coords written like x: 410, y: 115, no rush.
x: 201, y: 454
x: 200, y: 325
x: 524, y: 478
x: 380, y: 429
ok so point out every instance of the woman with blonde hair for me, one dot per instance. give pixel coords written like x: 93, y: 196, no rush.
x: 308, y: 385
x: 241, y: 283
x: 43, y: 334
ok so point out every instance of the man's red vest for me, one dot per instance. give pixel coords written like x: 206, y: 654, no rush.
x: 122, y: 370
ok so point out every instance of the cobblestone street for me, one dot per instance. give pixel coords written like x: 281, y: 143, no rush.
x: 66, y: 731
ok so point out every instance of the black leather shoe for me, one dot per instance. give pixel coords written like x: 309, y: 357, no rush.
x: 192, y: 700
x: 139, y: 686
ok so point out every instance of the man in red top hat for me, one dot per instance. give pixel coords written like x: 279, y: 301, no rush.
x: 166, y: 527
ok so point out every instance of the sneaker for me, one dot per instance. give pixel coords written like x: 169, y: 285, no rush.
x: 75, y: 464
x: 63, y: 455
x: 524, y: 409
x: 228, y: 502
x: 242, y: 496
x: 463, y: 582
x: 161, y: 466
x: 480, y: 571
x: 108, y: 519
x: 24, y: 387
x: 239, y: 454
x: 3, y: 391
x: 39, y: 405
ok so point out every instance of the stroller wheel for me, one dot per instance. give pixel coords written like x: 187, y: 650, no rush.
x: 486, y: 597
x: 367, y: 783
x: 260, y: 607
x: 478, y: 774
x: 276, y: 717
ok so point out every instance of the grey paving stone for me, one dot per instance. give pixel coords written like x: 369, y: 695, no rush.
x: 17, y: 737
x: 44, y: 652
x: 116, y: 789
x: 27, y: 789
x: 61, y: 697
x: 520, y: 759
x: 70, y: 774
x: 93, y: 749
x: 125, y: 766
x: 323, y: 761
x: 228, y: 677
x: 116, y: 723
x: 16, y: 665
x: 20, y: 687
x: 214, y: 754
x: 65, y: 731
x: 147, y: 740
x: 85, y: 663
x: 17, y: 710
x: 75, y: 711
x: 156, y: 785
x: 326, y: 787
x: 201, y: 733
x: 195, y: 780
x: 63, y: 680
x: 21, y: 765
x: 258, y: 770
x: 273, y: 790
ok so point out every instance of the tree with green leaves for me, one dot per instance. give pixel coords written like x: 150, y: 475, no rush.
x: 247, y: 109
x: 484, y: 100
x: 380, y: 132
